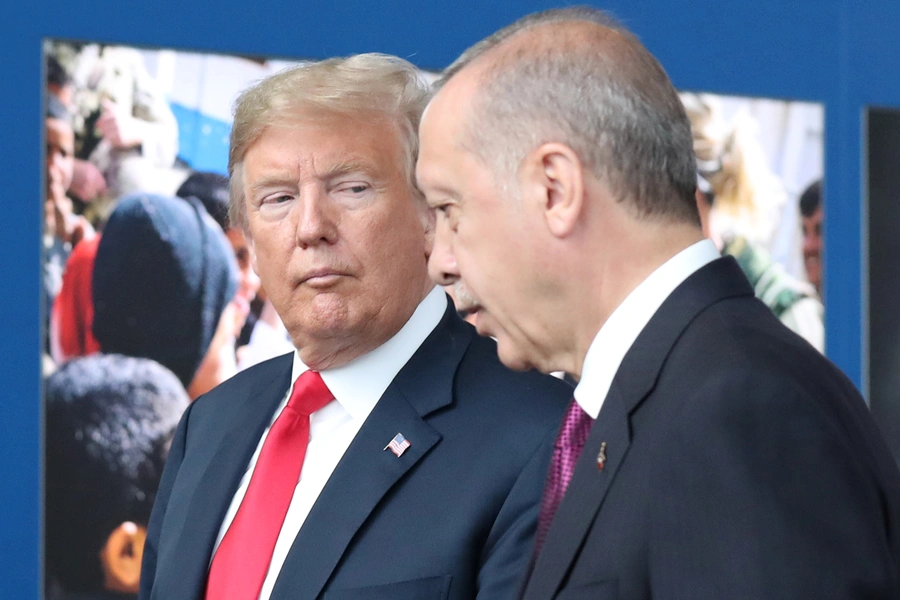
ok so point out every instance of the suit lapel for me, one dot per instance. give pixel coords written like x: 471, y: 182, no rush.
x: 217, y: 485
x: 367, y: 472
x: 641, y: 367
x: 634, y: 381
x: 361, y: 479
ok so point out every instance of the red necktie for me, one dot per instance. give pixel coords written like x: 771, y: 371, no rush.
x: 242, y: 560
x: 572, y: 435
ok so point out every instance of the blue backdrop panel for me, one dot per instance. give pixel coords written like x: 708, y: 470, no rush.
x: 202, y: 140
x: 842, y: 53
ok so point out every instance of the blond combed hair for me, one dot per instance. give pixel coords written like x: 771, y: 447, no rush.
x: 373, y: 84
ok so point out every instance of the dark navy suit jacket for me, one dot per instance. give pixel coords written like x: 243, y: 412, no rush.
x: 451, y: 518
x: 740, y: 464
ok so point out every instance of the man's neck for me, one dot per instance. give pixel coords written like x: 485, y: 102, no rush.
x: 608, y: 282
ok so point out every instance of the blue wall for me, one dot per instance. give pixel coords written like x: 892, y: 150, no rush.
x: 202, y: 140
x: 843, y: 53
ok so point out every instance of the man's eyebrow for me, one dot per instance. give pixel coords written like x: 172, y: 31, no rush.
x: 279, y: 179
x: 345, y: 167
x: 272, y: 180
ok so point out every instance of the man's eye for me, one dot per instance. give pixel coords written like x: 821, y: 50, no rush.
x: 276, y: 199
x: 357, y: 188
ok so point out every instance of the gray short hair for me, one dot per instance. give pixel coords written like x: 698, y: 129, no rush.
x: 377, y: 84
x: 608, y: 99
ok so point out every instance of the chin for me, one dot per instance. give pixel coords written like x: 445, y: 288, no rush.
x: 512, y: 358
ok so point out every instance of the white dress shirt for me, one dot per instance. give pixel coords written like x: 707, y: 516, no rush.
x: 623, y: 326
x: 357, y: 387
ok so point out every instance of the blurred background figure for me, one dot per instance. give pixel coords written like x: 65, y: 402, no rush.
x: 262, y: 334
x: 126, y: 134
x: 60, y: 156
x: 87, y: 181
x: 749, y: 196
x: 164, y: 282
x: 72, y: 315
x: 109, y: 424
x: 211, y: 189
x: 63, y: 229
x: 811, y: 221
x: 742, y: 226
x: 59, y: 82
x: 794, y: 302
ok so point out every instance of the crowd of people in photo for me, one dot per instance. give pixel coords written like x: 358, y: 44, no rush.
x: 149, y: 300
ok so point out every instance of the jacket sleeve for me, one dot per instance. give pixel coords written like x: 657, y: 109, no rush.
x: 507, y: 554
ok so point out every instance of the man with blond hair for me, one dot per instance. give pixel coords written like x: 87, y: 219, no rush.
x: 405, y: 461
x: 711, y: 453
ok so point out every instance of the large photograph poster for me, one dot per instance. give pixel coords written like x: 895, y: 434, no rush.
x: 150, y: 299
x: 149, y: 296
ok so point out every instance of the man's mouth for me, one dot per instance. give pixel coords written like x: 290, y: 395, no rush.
x: 321, y: 278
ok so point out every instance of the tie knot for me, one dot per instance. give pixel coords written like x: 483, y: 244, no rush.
x: 310, y: 393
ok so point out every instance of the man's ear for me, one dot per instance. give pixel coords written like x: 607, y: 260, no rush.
x: 121, y: 558
x: 552, y: 175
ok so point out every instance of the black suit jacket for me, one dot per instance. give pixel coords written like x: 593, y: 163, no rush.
x: 740, y: 464
x: 451, y: 518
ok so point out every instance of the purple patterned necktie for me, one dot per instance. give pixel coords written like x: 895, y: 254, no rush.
x: 569, y: 443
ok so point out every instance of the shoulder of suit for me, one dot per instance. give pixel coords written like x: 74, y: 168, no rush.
x: 235, y: 388
x: 737, y: 343
x: 481, y: 373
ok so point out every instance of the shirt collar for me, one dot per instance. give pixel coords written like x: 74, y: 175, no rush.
x: 359, y: 384
x: 621, y: 329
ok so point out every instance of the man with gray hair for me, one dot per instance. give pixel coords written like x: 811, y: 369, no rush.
x: 710, y: 451
x: 405, y: 461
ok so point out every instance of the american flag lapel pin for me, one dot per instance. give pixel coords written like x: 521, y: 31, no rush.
x: 398, y: 445
x: 601, y: 458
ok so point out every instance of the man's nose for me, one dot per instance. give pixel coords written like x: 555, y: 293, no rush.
x: 442, y: 263
x: 315, y: 221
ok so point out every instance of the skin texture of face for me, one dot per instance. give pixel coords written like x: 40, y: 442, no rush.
x: 812, y: 247
x: 484, y: 237
x: 336, y: 234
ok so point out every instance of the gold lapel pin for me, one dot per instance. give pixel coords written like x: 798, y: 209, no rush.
x: 601, y: 458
